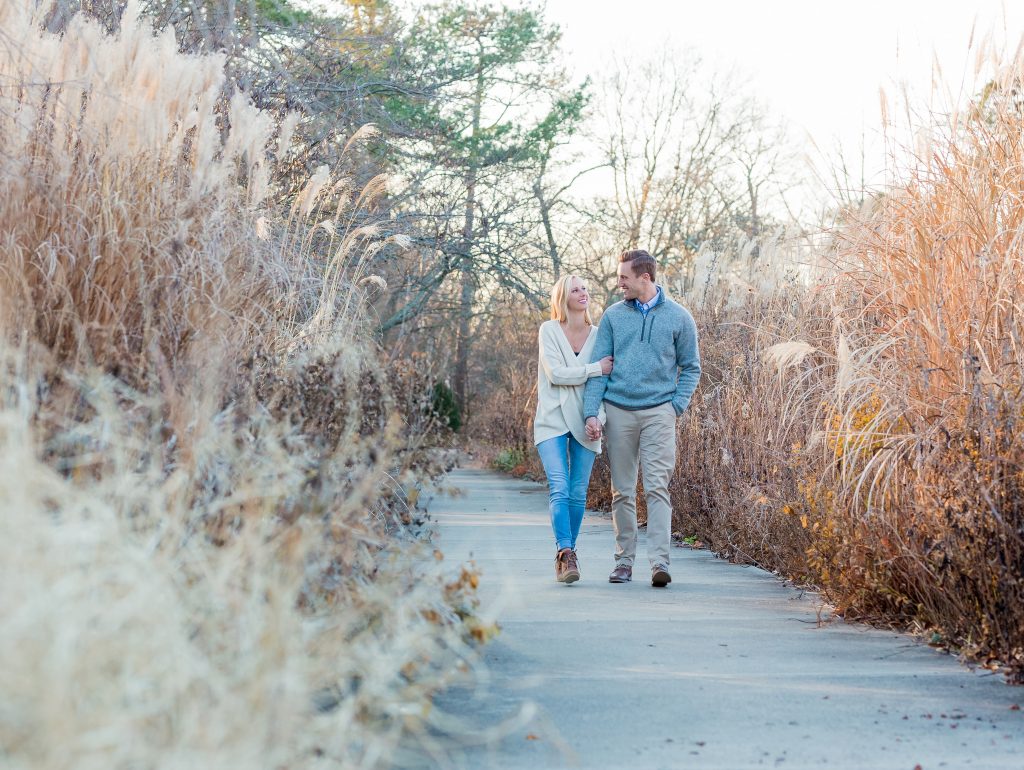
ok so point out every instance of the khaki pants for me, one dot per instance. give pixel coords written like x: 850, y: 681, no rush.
x: 647, y: 436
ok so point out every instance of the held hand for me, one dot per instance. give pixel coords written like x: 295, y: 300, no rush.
x: 593, y: 428
x: 606, y: 365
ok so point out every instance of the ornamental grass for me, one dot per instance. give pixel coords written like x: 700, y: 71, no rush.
x: 862, y: 433
x: 208, y: 491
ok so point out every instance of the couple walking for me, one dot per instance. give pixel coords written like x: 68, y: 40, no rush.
x: 628, y: 380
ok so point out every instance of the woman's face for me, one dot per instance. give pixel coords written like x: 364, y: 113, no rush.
x: 578, y: 296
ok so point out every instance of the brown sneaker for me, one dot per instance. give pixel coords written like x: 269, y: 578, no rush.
x: 622, y: 573
x: 567, y: 569
x: 659, y: 576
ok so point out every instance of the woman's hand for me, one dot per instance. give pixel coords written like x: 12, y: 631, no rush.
x: 606, y: 365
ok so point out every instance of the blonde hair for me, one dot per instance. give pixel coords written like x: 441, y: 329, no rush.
x: 560, y: 300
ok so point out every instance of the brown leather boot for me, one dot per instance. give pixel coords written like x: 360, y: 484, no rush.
x: 622, y: 573
x: 567, y: 569
x: 574, y: 563
x: 659, y: 576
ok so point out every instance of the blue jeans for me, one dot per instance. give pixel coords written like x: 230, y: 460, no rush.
x: 567, y: 464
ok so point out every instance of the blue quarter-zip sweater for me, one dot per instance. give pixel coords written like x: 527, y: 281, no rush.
x: 656, y: 357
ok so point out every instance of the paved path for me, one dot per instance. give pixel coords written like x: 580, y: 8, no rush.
x: 726, y: 668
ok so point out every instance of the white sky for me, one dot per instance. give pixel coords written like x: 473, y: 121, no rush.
x: 818, y: 63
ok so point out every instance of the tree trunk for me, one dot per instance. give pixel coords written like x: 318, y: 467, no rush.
x: 467, y: 295
x: 545, y: 218
x: 467, y: 289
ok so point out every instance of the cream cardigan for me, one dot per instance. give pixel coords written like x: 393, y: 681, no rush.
x: 561, y: 375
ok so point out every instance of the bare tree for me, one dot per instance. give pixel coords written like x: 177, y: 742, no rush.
x: 694, y: 157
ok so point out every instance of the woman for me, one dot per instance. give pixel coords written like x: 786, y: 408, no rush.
x: 566, y: 343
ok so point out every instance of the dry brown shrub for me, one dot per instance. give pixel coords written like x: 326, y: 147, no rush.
x: 502, y: 419
x: 741, y: 444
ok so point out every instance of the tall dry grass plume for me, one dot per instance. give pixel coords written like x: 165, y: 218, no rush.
x: 207, y: 472
x: 924, y: 418
x: 862, y: 433
x: 131, y: 201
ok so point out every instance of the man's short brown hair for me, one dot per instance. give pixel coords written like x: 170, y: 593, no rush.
x: 640, y: 262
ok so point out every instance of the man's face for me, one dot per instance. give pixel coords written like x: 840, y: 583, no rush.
x: 632, y: 286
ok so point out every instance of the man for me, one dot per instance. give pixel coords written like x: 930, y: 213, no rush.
x: 657, y: 365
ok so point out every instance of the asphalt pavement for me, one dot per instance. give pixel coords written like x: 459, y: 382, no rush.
x: 726, y: 668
